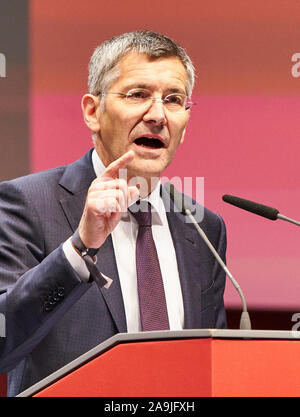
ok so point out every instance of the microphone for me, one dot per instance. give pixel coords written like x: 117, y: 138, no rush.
x: 181, y: 205
x: 256, y: 208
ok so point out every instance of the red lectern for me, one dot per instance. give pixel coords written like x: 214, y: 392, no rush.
x: 188, y: 363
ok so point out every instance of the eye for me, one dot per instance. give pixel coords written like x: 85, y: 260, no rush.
x: 175, y: 100
x: 138, y: 94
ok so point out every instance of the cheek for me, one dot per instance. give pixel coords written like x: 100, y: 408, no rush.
x: 117, y: 126
x: 177, y: 127
x: 178, y: 134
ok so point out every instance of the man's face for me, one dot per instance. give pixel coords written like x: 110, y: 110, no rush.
x: 120, y: 124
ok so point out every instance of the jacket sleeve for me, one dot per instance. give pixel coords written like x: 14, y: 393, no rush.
x: 36, y: 288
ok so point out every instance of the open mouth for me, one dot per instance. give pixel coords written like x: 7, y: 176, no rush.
x: 153, y: 143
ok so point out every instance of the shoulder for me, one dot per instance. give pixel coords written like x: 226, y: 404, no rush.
x: 32, y: 184
x: 54, y: 180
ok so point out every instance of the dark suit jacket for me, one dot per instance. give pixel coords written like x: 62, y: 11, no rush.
x: 52, y: 317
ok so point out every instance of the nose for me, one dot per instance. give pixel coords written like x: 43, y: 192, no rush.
x: 155, y: 114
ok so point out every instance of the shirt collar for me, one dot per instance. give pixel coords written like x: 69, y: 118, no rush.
x: 154, y: 198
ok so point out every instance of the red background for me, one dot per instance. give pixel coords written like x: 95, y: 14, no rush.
x: 243, y: 136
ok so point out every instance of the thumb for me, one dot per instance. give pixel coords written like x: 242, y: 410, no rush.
x: 133, y: 195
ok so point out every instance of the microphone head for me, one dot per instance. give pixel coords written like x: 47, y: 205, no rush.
x: 256, y: 208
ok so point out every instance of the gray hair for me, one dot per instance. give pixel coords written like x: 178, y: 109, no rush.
x: 103, y: 68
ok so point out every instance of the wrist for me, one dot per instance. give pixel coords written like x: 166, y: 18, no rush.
x: 90, y: 259
x: 81, y: 248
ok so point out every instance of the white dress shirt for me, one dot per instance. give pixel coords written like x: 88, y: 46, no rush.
x: 124, y: 242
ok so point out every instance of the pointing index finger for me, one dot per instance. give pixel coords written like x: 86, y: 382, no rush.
x: 112, y: 171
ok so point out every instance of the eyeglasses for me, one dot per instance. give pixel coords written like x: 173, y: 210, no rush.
x: 175, y: 102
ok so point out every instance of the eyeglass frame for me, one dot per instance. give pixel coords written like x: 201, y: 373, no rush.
x: 126, y: 95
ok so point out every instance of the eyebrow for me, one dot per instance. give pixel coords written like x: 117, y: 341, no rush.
x: 135, y: 85
x: 176, y: 90
x: 149, y: 87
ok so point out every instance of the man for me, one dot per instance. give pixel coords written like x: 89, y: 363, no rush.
x: 71, y: 269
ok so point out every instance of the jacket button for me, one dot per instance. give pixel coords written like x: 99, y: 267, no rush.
x: 55, y: 296
x: 60, y: 292
x: 48, y: 306
x: 50, y: 299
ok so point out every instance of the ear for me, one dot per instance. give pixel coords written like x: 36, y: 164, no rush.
x: 90, y: 109
x: 182, y: 136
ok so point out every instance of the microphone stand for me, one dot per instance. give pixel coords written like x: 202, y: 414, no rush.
x: 178, y: 200
x: 287, y: 219
x: 245, y: 323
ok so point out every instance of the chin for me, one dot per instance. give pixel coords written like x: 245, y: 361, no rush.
x: 146, y: 169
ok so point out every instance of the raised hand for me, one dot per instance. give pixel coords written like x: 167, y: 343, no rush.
x: 108, y: 198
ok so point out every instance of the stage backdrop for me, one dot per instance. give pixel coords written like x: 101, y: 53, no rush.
x: 244, y: 132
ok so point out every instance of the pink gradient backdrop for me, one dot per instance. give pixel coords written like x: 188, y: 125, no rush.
x: 243, y: 136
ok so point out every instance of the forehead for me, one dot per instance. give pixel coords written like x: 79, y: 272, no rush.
x: 137, y: 69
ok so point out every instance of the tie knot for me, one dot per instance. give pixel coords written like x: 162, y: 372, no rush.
x: 141, y: 211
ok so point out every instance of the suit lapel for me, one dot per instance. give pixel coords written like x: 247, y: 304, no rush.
x: 113, y: 295
x: 76, y: 180
x: 72, y: 206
